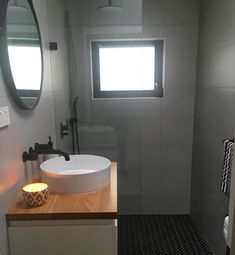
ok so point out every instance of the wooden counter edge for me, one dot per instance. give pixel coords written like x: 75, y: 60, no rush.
x: 14, y: 214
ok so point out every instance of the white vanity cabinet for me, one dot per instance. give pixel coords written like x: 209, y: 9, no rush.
x: 75, y: 224
x: 63, y: 237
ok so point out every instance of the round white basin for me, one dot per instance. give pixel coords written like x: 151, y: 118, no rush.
x: 83, y: 173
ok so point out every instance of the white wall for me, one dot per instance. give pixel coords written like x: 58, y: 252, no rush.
x: 155, y: 135
x: 59, y: 69
x: 27, y: 127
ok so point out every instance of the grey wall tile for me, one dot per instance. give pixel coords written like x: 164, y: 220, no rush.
x: 151, y: 158
x: 214, y: 117
x: 129, y: 181
x: 153, y: 12
x: 217, y: 68
x: 150, y: 191
x: 129, y: 157
x: 178, y: 102
x: 217, y: 24
x: 173, y: 204
x: 122, y: 108
x: 144, y: 125
x: 151, y: 128
x: 129, y: 204
x: 130, y: 131
x: 152, y: 31
x: 180, y: 12
x: 151, y: 108
x: 176, y: 131
x: 151, y: 182
x: 180, y: 72
x: 181, y: 41
x: 175, y: 191
x: 97, y: 108
x: 176, y: 157
x: 150, y: 204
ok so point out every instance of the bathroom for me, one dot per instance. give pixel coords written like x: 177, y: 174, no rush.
x: 169, y: 149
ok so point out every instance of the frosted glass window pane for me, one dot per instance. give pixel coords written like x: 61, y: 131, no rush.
x: 26, y: 66
x: 127, y: 68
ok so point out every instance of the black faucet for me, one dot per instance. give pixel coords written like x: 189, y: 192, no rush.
x: 43, y: 149
x: 49, y: 145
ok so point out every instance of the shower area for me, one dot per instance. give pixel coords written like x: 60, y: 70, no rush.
x: 150, y: 138
x: 160, y: 143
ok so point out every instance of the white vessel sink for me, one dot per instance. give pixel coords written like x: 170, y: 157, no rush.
x: 83, y: 173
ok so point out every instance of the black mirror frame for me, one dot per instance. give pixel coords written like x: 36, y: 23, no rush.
x: 5, y: 63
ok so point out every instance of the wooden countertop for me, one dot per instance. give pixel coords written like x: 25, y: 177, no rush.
x: 101, y: 204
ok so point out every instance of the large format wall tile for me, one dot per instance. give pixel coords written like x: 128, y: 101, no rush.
x: 153, y: 12
x: 214, y: 121
x: 151, y: 131
x: 175, y: 190
x: 147, y: 127
x: 216, y: 69
x: 217, y: 24
x: 178, y: 102
x: 176, y: 157
x: 176, y: 131
x: 214, y: 117
x: 180, y: 12
x: 181, y: 40
x: 180, y: 72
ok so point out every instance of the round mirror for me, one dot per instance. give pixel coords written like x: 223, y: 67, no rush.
x: 21, y: 51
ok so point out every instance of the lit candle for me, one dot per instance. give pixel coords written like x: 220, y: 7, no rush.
x: 35, y: 194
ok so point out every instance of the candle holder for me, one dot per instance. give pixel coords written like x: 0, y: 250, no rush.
x: 35, y: 194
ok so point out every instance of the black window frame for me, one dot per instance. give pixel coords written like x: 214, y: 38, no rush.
x: 159, y: 55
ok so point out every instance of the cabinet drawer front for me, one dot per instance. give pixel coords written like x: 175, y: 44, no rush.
x: 61, y: 240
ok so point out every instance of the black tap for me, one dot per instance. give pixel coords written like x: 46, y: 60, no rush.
x: 49, y: 145
x: 43, y: 149
x: 52, y: 151
x: 31, y: 155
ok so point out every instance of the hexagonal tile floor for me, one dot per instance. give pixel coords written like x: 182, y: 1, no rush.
x: 160, y: 235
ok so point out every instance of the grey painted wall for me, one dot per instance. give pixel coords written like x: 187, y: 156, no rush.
x: 214, y: 116
x: 155, y: 135
x: 28, y: 127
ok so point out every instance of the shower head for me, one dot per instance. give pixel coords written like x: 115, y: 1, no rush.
x: 110, y: 7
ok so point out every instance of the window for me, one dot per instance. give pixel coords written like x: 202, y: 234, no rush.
x: 127, y: 68
x: 22, y: 55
